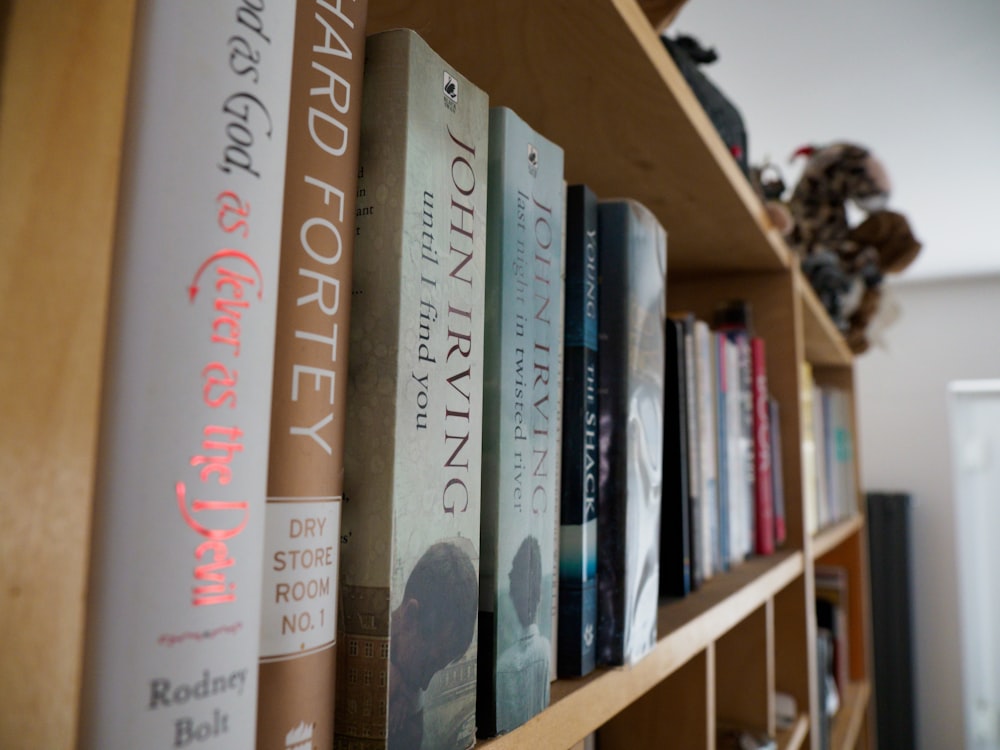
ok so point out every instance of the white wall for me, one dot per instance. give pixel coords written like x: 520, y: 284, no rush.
x: 948, y: 331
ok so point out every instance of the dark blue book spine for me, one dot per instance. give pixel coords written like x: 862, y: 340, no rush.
x: 578, y: 515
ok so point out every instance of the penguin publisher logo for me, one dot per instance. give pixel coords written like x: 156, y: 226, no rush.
x: 450, y: 89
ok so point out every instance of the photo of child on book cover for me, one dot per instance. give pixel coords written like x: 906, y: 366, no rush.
x: 432, y: 628
x: 525, y: 662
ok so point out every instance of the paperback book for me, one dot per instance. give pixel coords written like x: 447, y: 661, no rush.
x: 412, y: 460
x: 631, y: 355
x: 174, y: 600
x: 523, y: 331
x: 578, y: 518
x: 305, y: 474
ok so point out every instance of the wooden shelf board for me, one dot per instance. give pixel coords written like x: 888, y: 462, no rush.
x: 793, y: 737
x: 825, y: 345
x: 661, y: 12
x: 849, y: 720
x: 833, y: 536
x: 570, y: 70
x: 580, y: 706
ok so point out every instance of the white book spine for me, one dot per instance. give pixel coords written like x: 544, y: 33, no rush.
x: 175, y: 580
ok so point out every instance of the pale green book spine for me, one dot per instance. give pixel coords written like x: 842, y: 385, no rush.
x: 413, y: 447
x: 520, y: 483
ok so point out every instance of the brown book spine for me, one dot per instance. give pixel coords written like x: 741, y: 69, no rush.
x: 305, y: 477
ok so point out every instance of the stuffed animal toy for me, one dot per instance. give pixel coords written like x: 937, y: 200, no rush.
x: 834, y: 176
x: 846, y: 265
x: 881, y: 244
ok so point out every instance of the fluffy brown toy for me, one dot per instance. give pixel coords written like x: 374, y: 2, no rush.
x: 881, y: 244
x: 834, y: 176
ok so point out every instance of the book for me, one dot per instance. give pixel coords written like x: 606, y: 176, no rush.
x: 693, y: 451
x: 523, y: 336
x: 826, y: 691
x: 840, y: 452
x: 723, y: 359
x: 777, y: 473
x: 810, y: 458
x: 733, y: 319
x: 305, y: 471
x: 832, y: 615
x: 631, y: 322
x: 707, y: 396
x: 763, y: 482
x: 577, y: 632
x: 174, y: 599
x: 413, y: 464
x: 557, y: 436
x: 675, y: 523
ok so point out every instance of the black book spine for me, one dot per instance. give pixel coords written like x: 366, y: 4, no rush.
x: 675, y: 528
x: 577, y: 647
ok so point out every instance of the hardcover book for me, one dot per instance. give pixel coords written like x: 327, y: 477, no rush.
x: 763, y: 482
x: 675, y: 529
x: 520, y: 492
x: 174, y: 600
x: 305, y: 475
x: 630, y: 480
x: 578, y: 518
x: 412, y: 458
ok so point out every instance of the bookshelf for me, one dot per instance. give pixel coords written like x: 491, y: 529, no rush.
x: 591, y: 76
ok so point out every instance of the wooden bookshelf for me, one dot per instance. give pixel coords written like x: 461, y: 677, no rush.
x: 794, y: 737
x: 828, y: 538
x: 848, y: 723
x: 688, y: 627
x: 593, y: 77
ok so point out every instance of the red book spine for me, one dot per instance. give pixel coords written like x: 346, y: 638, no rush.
x: 764, y: 499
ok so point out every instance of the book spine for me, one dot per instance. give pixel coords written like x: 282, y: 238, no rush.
x: 723, y: 382
x: 810, y: 492
x: 545, y: 234
x: 578, y: 520
x: 631, y: 350
x: 777, y: 475
x: 305, y: 474
x: 737, y: 465
x: 675, y: 541
x: 706, y: 395
x: 556, y: 438
x: 524, y: 222
x: 693, y: 442
x: 763, y: 485
x: 742, y: 469
x: 412, y: 467
x: 173, y: 622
